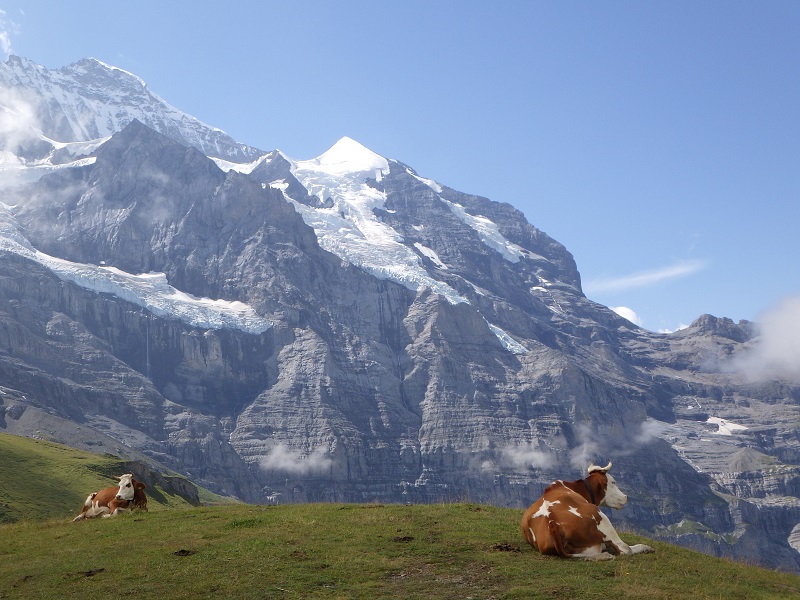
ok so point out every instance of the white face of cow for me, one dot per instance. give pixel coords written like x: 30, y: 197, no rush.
x: 614, y: 498
x: 126, y: 489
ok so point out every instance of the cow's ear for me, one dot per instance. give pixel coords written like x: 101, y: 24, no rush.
x: 140, y: 485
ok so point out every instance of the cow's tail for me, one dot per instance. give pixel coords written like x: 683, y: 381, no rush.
x: 557, y: 539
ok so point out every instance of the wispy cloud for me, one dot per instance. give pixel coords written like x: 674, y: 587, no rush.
x: 645, y: 278
x: 7, y: 29
x: 19, y: 120
x: 595, y: 446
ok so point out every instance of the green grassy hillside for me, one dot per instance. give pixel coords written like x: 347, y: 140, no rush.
x: 441, y: 551
x: 43, y: 480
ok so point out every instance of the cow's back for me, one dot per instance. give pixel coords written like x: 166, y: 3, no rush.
x: 536, y: 528
x: 561, y: 523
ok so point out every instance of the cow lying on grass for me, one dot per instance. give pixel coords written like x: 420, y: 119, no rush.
x: 129, y: 494
x: 566, y: 522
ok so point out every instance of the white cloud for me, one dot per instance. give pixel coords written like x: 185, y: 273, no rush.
x: 19, y: 122
x: 7, y: 29
x: 526, y: 456
x: 645, y: 278
x: 776, y: 352
x: 627, y: 313
x: 282, y: 458
x: 597, y: 447
x: 678, y: 328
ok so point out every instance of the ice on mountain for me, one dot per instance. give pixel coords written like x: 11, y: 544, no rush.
x: 346, y: 157
x: 489, y: 233
x: 508, y: 342
x: 152, y: 292
x: 431, y: 254
x: 429, y: 182
x: 725, y: 427
x: 14, y: 174
x: 148, y: 290
x: 349, y: 227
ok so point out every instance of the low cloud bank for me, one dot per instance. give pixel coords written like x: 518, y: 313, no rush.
x: 775, y: 354
x: 593, y: 448
x: 527, y: 456
x: 596, y: 447
x: 282, y: 458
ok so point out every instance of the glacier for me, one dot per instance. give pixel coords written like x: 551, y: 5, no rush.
x: 148, y: 290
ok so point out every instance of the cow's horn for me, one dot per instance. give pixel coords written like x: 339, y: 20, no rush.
x: 595, y: 469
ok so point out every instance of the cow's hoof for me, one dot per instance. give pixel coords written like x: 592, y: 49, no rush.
x: 642, y: 549
x: 600, y: 557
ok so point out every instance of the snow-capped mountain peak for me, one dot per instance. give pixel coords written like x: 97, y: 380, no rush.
x: 90, y: 99
x: 344, y: 157
x: 95, y: 70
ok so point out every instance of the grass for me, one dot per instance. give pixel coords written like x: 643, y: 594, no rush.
x: 44, y: 480
x: 443, y: 551
x: 336, y: 551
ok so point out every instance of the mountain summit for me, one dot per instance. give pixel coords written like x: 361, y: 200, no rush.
x: 345, y: 329
x: 91, y: 100
x: 347, y: 156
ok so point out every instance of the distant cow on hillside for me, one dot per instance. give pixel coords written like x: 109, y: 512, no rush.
x: 129, y: 494
x: 566, y: 522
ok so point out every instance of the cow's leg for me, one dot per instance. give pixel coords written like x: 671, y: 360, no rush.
x: 116, y: 507
x: 612, y: 539
x: 87, y: 504
x: 593, y: 553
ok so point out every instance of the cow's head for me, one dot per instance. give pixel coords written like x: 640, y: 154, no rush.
x: 127, y: 487
x: 614, y: 497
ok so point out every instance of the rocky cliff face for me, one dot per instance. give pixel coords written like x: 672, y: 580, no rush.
x: 416, y: 344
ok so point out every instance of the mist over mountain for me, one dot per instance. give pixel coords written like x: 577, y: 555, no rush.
x: 344, y: 328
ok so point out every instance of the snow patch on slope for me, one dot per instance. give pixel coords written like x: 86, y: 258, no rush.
x: 17, y: 172
x: 349, y: 227
x: 148, y: 290
x: 725, y: 427
x: 489, y: 233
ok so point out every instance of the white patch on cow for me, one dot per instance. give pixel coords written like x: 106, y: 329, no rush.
x: 574, y: 511
x: 95, y: 510
x: 614, y: 497
x: 533, y: 535
x: 126, y: 489
x: 611, y: 536
x: 544, y: 509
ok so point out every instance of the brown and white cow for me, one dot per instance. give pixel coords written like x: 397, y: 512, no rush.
x: 567, y: 522
x: 108, y: 502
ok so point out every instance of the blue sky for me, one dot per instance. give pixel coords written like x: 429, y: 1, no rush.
x: 658, y: 141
